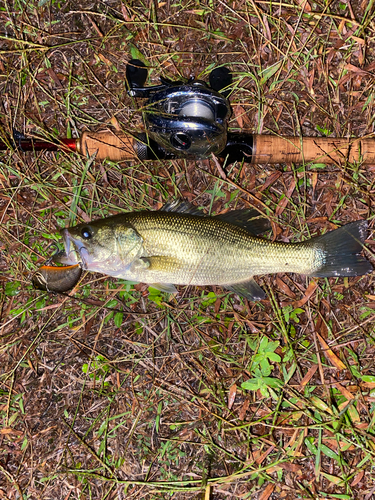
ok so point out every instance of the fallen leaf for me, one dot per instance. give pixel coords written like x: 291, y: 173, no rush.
x: 241, y: 116
x: 305, y: 5
x: 341, y: 445
x: 321, y: 405
x: 222, y: 174
x: 284, y: 288
x: 267, y: 28
x: 115, y: 123
x: 333, y: 479
x: 244, y: 409
x: 9, y: 430
x: 344, y: 391
x: 354, y: 415
x: 274, y: 468
x: 264, y: 455
x: 292, y: 440
x: 357, y: 478
x: 335, y: 360
x: 291, y: 467
x: 309, y: 291
x: 267, y: 492
x: 283, y: 203
x: 368, y: 385
x: 270, y: 180
x: 355, y: 69
x: 306, y: 379
x: 232, y: 395
x: 104, y: 59
x: 125, y: 13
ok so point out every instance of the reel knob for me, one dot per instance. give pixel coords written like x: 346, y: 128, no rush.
x: 180, y: 141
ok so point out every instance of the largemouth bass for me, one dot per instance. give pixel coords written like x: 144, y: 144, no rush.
x: 178, y: 246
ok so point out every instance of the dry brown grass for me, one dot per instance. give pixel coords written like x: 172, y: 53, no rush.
x: 111, y: 394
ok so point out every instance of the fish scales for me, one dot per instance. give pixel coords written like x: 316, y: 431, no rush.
x: 208, y: 251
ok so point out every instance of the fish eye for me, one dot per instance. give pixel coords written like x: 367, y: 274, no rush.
x: 86, y: 233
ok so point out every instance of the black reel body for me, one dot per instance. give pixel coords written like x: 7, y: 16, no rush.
x: 186, y: 120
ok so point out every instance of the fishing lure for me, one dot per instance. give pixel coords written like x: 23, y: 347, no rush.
x: 56, y: 279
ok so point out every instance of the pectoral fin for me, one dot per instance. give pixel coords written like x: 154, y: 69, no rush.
x: 162, y: 265
x: 248, y: 289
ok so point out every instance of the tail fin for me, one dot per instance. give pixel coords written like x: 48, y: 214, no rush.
x: 340, y: 251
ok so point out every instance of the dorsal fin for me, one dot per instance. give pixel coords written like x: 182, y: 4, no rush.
x: 182, y: 207
x: 248, y: 219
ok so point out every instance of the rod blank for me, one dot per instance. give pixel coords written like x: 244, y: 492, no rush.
x: 122, y: 146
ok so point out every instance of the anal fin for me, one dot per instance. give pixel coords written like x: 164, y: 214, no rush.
x: 248, y: 289
x: 164, y: 287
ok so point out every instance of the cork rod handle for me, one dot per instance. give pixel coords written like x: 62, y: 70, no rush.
x: 113, y: 145
x: 274, y: 149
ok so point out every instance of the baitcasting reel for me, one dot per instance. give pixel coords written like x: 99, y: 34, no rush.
x: 184, y: 120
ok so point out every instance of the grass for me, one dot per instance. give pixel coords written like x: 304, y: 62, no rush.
x: 120, y: 391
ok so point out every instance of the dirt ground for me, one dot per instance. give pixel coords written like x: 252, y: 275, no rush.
x: 115, y: 390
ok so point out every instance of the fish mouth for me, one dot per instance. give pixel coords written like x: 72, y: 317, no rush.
x: 74, y: 253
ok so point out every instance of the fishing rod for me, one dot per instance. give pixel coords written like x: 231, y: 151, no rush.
x: 190, y: 120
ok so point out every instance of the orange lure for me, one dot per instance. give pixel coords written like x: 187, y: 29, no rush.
x: 56, y: 279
